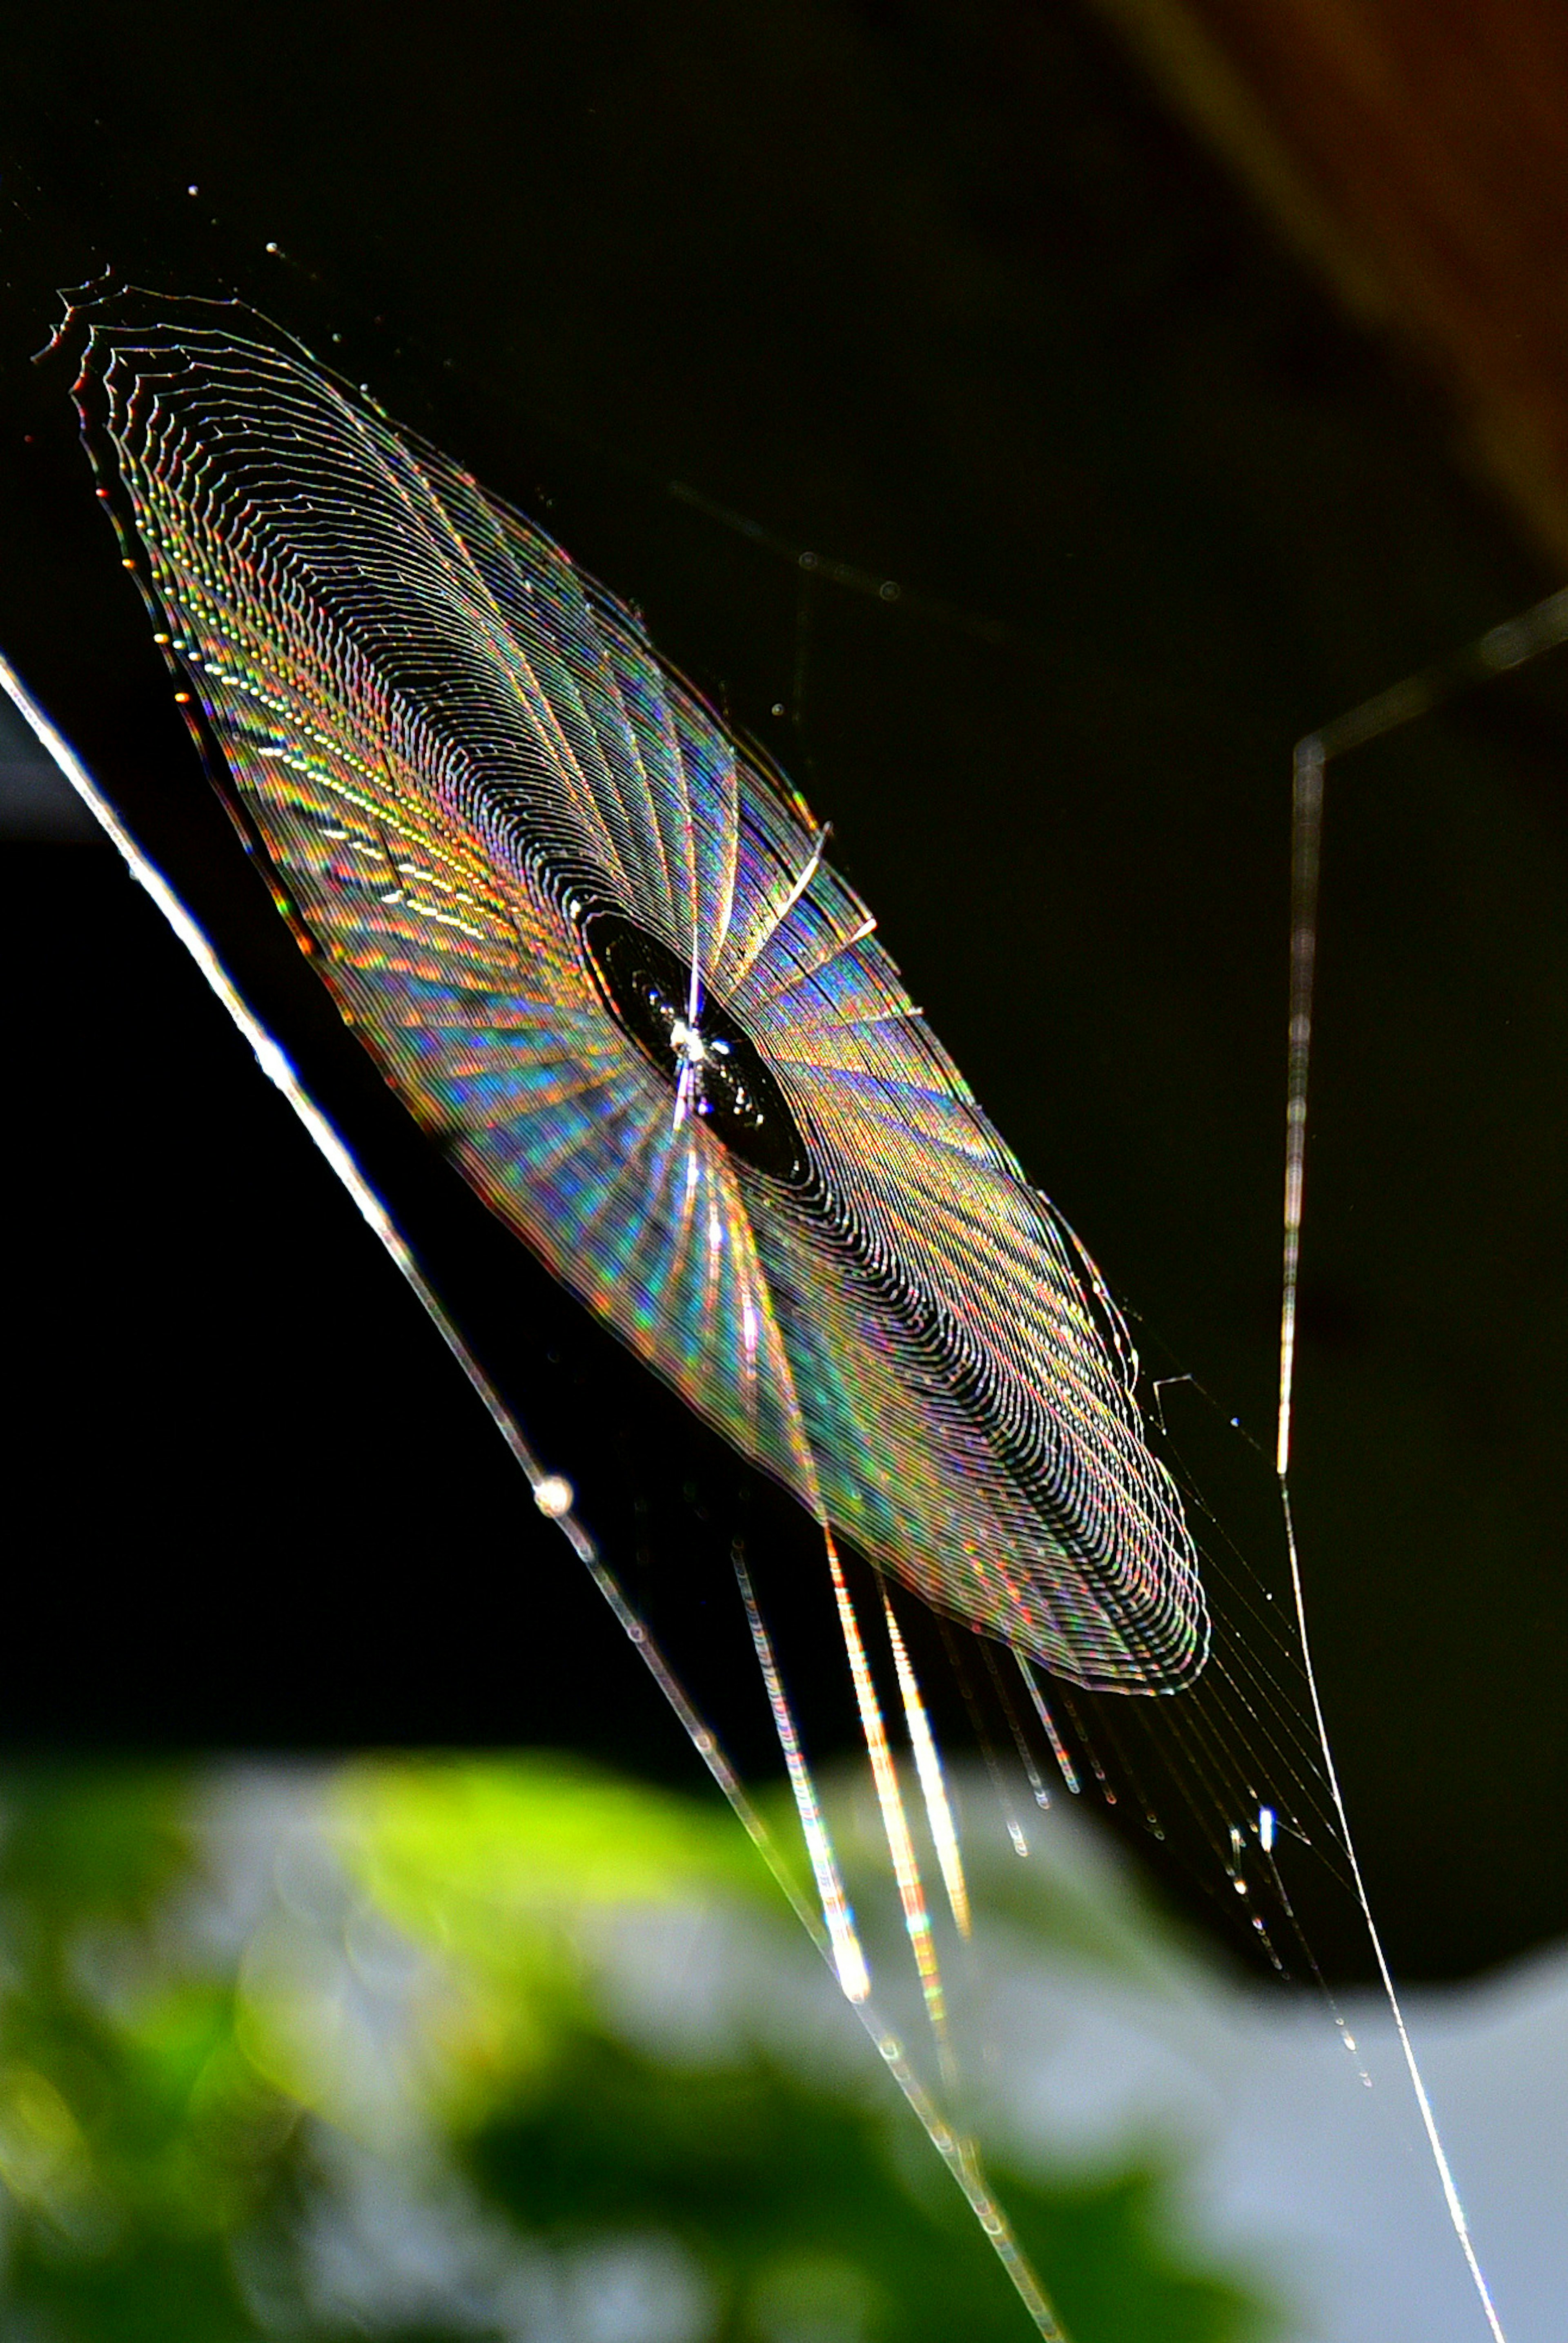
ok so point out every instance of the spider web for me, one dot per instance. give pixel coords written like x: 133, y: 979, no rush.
x: 1233, y: 1762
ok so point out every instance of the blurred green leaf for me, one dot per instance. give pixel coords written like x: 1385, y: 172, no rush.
x: 465, y: 1849
x: 414, y: 1972
x: 766, y: 2181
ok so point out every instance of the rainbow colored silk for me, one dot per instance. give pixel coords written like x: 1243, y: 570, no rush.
x: 458, y: 754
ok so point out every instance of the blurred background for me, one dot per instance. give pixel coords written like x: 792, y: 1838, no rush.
x: 521, y: 2049
x: 1190, y: 376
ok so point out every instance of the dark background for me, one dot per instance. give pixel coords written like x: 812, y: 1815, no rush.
x: 941, y: 294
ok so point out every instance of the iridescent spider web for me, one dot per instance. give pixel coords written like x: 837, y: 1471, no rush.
x: 1244, y: 1709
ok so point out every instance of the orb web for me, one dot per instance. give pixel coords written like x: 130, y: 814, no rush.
x: 592, y: 939
x: 562, y: 904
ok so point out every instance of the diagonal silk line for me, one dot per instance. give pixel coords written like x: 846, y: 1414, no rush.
x: 890, y: 1797
x: 668, y: 1170
x: 777, y: 985
x: 763, y: 1325
x: 1540, y: 628
x: 848, y: 1959
x: 1021, y: 1738
x: 901, y: 1846
x: 726, y: 1204
x: 820, y: 1030
x: 729, y: 871
x: 617, y: 646
x: 1058, y: 1746
x: 933, y: 1784
x: 1543, y: 628
x: 1306, y: 849
x: 691, y: 1075
x: 1451, y: 2200
x: 770, y: 919
x: 680, y: 785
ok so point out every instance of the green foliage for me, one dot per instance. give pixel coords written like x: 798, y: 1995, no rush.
x: 133, y: 2136
x: 783, y: 2194
x: 412, y: 1991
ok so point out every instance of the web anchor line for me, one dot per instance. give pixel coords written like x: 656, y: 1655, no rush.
x: 1543, y: 628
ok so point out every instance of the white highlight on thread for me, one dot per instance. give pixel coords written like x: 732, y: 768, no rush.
x: 1456, y: 2212
x: 1058, y: 1746
x: 890, y: 1798
x: 1306, y: 834
x: 933, y: 1784
x: 838, y: 1916
x: 1547, y: 624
